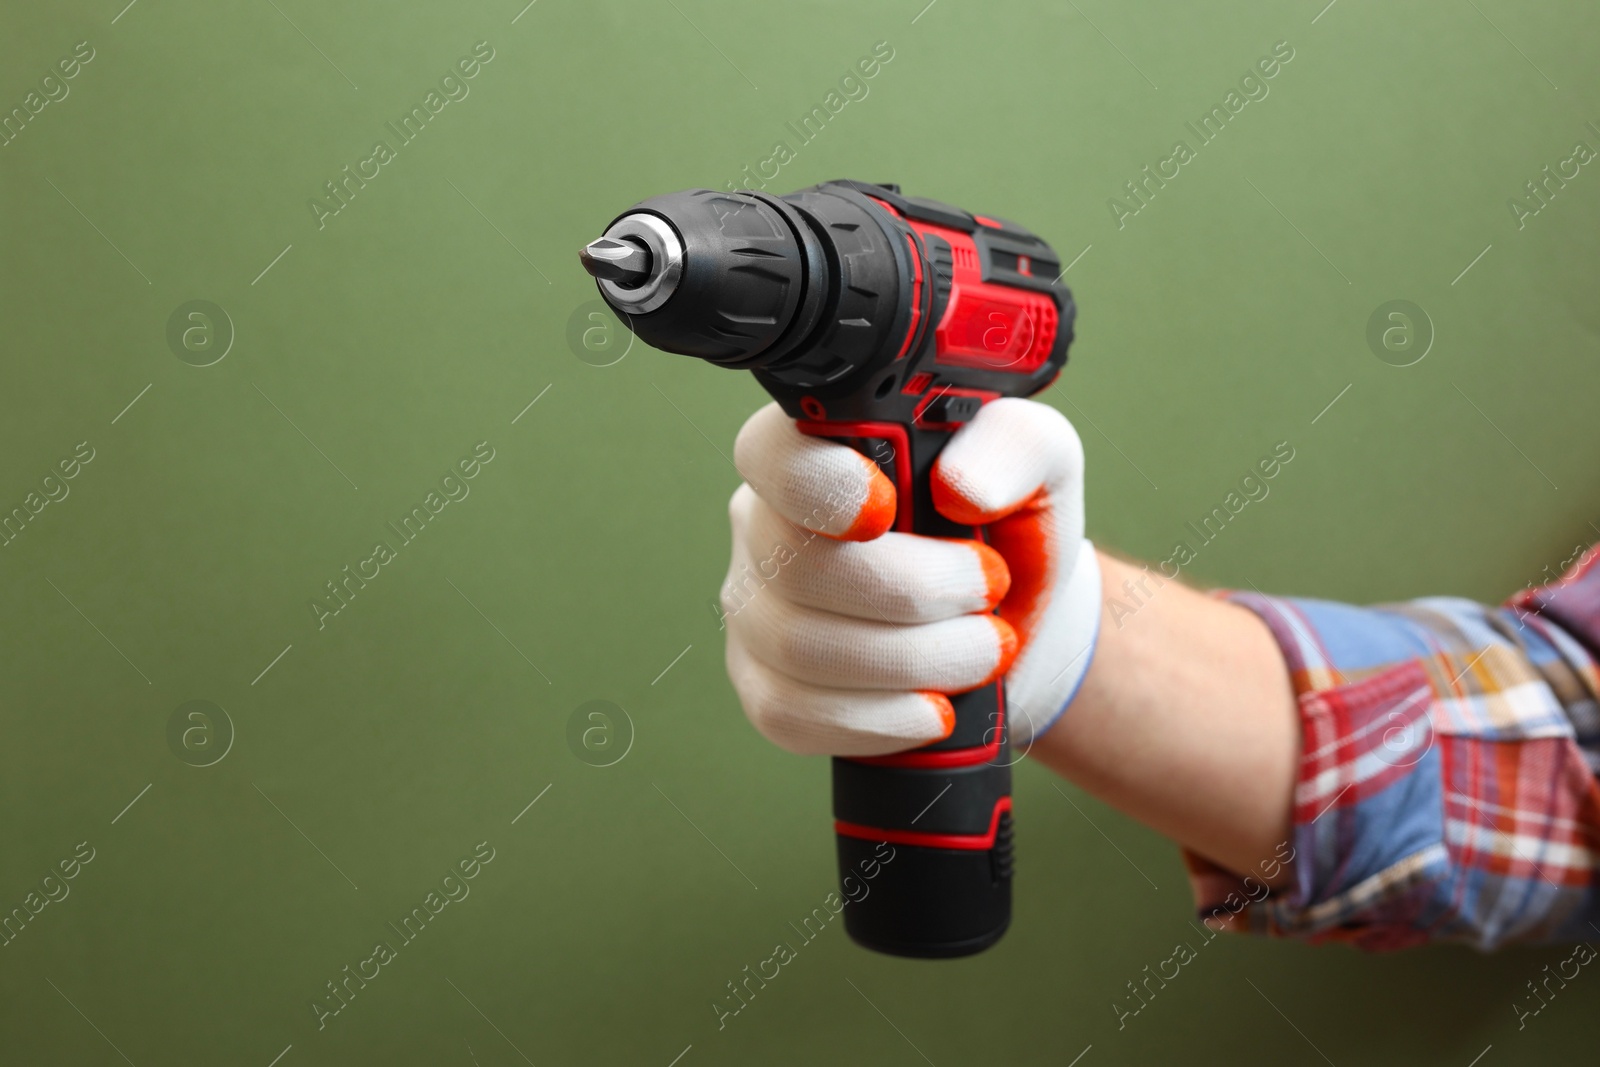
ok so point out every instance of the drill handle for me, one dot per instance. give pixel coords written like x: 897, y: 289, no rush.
x: 933, y: 824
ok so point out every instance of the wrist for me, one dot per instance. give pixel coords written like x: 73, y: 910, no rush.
x: 1186, y: 722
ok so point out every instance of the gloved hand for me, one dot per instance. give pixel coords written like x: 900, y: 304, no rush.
x: 844, y: 638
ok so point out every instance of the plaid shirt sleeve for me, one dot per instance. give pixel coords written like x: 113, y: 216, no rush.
x: 1447, y: 785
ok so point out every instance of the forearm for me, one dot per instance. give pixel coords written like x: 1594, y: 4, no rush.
x: 1185, y: 721
x: 1429, y: 763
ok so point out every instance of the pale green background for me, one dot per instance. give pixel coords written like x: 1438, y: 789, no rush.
x: 409, y: 329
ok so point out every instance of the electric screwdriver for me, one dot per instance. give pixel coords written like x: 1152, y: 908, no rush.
x: 884, y: 322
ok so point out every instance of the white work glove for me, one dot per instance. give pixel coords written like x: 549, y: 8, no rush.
x: 844, y: 639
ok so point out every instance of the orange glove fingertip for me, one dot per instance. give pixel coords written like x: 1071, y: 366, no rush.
x: 946, y: 710
x: 878, y: 510
x: 948, y: 501
x: 996, y: 574
x: 1010, y: 644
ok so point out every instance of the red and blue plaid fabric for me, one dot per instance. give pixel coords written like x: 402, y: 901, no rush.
x: 1447, y: 787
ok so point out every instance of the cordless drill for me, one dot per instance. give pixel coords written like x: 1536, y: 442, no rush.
x: 885, y: 322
